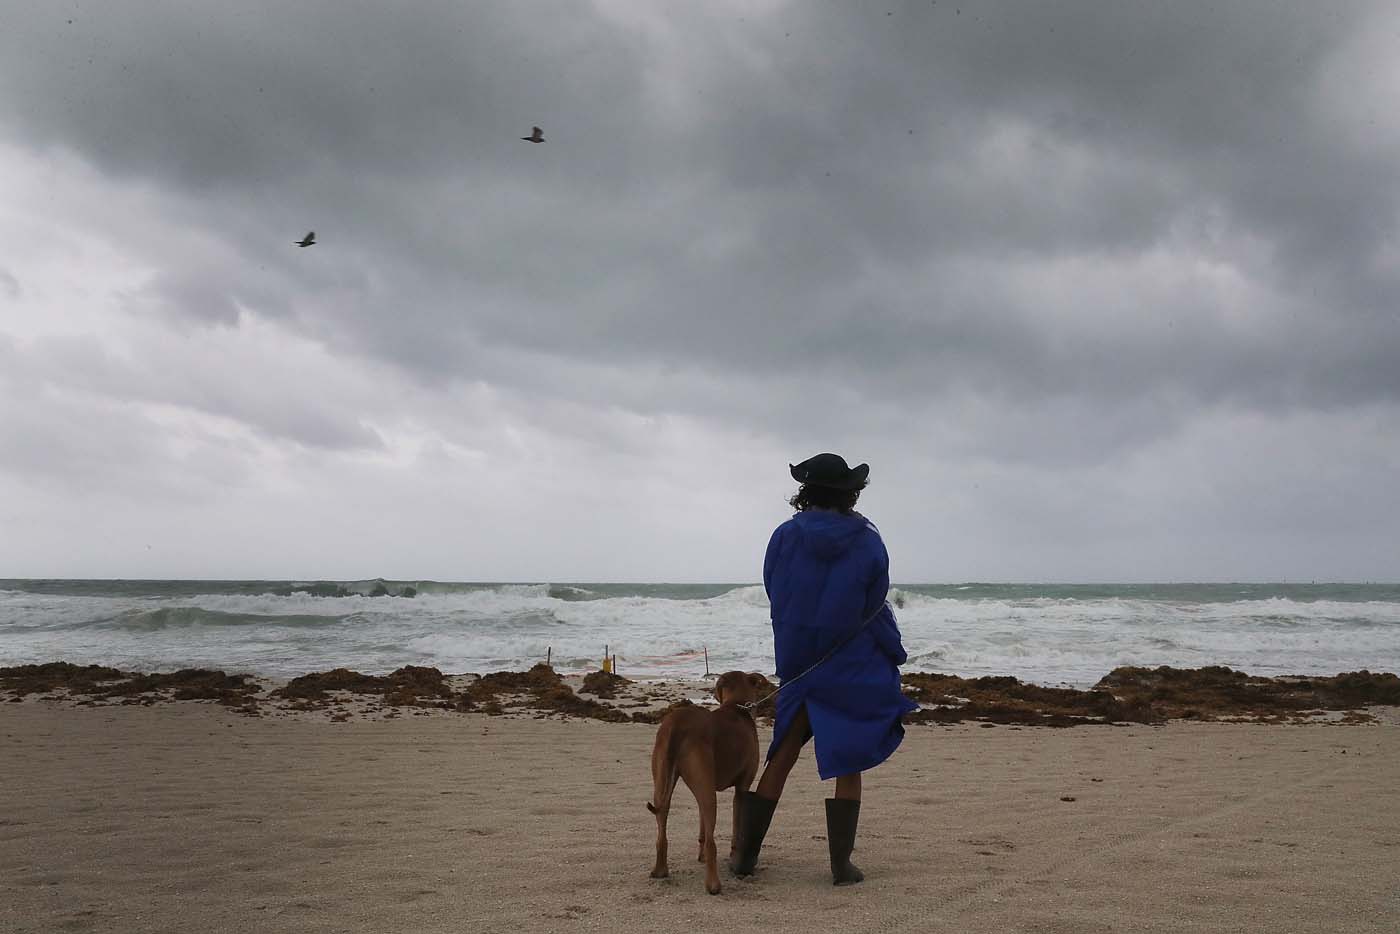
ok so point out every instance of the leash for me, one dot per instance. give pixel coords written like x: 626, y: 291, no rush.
x: 840, y: 644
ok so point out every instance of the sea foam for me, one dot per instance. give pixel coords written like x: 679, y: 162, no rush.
x: 1049, y: 634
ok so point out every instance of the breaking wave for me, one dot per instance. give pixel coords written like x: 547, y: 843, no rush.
x: 1048, y: 634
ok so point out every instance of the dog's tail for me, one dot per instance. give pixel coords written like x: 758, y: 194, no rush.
x: 663, y: 782
x: 664, y: 774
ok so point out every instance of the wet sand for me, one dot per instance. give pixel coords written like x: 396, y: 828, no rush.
x: 189, y: 816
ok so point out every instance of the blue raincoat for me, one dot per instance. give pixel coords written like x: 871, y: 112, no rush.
x: 827, y: 572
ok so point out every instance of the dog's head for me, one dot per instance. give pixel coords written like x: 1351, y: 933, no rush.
x: 738, y: 687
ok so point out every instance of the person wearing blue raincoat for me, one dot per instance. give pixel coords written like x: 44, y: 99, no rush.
x: 838, y: 651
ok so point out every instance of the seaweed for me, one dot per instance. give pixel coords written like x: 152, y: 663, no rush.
x: 603, y: 684
x: 1125, y: 695
x: 409, y: 686
x: 1149, y: 695
x: 546, y: 691
x: 1007, y: 700
x: 99, y: 682
x: 41, y: 679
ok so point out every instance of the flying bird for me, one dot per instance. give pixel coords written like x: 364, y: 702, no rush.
x: 308, y: 240
x: 536, y: 137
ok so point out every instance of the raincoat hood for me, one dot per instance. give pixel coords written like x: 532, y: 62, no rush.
x: 828, y: 535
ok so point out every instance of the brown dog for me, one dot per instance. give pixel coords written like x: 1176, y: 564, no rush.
x: 712, y: 750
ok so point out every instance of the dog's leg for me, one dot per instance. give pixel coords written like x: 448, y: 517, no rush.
x: 698, y: 770
x: 708, y: 807
x: 659, y: 870
x: 700, y: 839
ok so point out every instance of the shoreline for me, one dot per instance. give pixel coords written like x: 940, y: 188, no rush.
x: 1125, y: 695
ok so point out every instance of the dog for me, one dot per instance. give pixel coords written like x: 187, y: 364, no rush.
x: 712, y: 750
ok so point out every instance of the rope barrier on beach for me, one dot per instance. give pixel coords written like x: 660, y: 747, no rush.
x: 672, y: 657
x: 610, y: 659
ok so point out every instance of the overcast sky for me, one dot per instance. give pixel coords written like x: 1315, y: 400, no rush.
x: 1101, y: 291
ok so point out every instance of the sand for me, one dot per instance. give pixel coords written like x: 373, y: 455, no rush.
x: 189, y: 817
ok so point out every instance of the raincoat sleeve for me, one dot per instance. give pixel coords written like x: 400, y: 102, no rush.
x: 769, y: 558
x: 884, y: 628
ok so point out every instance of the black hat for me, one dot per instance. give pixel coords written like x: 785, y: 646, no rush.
x: 830, y: 470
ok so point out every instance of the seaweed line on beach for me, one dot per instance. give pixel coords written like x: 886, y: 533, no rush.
x: 1125, y: 695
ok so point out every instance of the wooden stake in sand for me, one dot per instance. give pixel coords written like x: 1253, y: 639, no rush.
x: 549, y: 656
x: 607, y: 660
x: 707, y: 661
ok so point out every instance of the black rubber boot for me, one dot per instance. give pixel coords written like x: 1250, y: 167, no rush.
x: 841, y: 819
x: 755, y: 814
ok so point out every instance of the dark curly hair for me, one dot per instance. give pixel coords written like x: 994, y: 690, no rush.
x: 811, y: 496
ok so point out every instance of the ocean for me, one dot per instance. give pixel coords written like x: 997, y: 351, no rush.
x: 1049, y: 634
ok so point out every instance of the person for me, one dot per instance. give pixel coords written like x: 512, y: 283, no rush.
x: 827, y: 575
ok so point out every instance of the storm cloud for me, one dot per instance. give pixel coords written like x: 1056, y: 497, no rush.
x: 1102, y: 291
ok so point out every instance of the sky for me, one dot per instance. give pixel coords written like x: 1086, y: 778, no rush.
x: 1100, y: 291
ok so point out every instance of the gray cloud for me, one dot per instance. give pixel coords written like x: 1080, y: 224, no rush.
x: 1053, y: 236
x: 774, y: 209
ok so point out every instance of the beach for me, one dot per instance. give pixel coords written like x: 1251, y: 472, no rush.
x: 257, y: 757
x: 190, y: 816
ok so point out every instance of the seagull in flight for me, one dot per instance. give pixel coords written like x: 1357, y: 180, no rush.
x: 308, y: 240
x: 536, y: 137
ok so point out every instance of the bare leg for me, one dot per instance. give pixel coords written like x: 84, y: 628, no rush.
x: 848, y: 787
x: 775, y: 774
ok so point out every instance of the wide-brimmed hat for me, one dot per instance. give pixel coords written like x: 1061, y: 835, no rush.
x: 830, y: 470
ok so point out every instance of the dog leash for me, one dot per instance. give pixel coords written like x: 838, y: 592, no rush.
x: 840, y: 644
